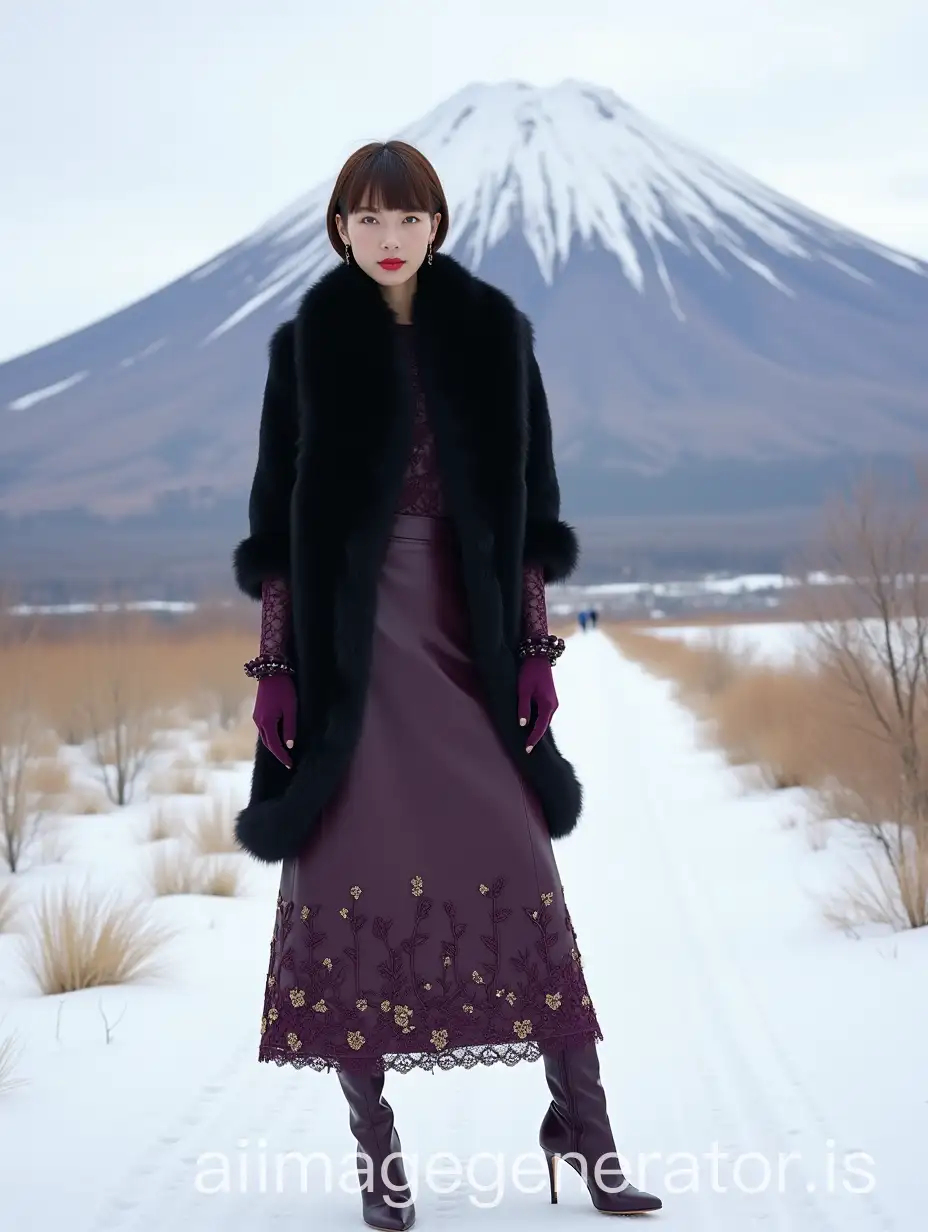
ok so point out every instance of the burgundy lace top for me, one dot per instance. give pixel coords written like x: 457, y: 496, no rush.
x: 421, y: 494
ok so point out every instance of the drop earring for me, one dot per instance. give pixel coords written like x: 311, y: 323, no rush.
x: 430, y: 252
x: 347, y: 254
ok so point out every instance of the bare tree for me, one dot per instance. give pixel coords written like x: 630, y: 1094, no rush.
x: 873, y: 644
x: 118, y: 705
x: 20, y: 813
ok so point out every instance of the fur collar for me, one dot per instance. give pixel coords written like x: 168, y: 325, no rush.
x: 353, y: 298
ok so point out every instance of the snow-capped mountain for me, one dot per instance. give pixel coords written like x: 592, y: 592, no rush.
x: 710, y: 347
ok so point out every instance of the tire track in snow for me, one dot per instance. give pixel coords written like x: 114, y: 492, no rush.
x: 747, y: 1058
x: 160, y: 1191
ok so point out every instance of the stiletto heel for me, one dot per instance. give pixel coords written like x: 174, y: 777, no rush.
x: 552, y: 1175
x: 576, y: 1131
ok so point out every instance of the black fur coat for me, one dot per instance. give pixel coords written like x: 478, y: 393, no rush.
x: 335, y: 436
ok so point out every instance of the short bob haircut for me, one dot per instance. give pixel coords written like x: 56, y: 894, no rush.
x: 392, y: 176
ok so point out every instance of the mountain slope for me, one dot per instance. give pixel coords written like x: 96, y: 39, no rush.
x: 709, y: 345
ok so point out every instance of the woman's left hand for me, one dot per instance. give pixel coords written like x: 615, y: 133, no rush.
x: 536, y: 684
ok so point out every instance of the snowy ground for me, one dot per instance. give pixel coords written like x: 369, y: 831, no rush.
x: 736, y: 1022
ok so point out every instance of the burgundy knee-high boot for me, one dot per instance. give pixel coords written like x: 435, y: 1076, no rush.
x: 386, y: 1203
x: 576, y: 1129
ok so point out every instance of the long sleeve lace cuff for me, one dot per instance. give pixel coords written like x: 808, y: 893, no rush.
x: 275, y: 618
x: 534, y: 607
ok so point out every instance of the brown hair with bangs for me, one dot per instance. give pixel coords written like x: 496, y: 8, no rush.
x: 391, y: 175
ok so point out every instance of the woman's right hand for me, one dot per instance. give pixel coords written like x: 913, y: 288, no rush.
x: 275, y: 715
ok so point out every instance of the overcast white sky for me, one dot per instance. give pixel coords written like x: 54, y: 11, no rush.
x: 137, y: 139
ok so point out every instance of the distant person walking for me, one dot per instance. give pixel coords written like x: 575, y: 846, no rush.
x: 581, y: 620
x: 406, y: 775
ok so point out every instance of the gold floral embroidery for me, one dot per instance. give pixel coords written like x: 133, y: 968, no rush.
x: 401, y: 1015
x: 536, y: 998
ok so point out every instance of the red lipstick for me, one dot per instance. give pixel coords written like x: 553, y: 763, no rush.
x: 391, y: 263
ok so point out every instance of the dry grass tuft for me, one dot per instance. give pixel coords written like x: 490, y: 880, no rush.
x: 226, y: 747
x: 8, y: 905
x: 174, y: 871
x: 179, y: 870
x: 79, y: 941
x: 213, y: 831
x: 48, y: 777
x: 10, y: 1051
x: 221, y: 878
x: 183, y: 777
x: 166, y: 821
x: 85, y: 802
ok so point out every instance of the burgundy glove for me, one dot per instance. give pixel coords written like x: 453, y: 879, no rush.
x: 536, y: 684
x: 275, y: 714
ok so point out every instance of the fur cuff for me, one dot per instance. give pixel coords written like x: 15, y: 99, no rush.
x: 554, y: 546
x: 255, y: 559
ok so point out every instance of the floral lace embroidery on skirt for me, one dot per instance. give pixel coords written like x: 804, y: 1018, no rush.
x: 422, y: 1014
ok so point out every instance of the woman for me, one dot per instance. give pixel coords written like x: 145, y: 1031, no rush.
x: 404, y: 518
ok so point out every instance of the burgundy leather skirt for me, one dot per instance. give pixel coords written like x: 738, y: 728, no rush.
x: 424, y: 924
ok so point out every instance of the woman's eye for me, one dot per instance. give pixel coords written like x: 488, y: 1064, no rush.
x: 414, y: 217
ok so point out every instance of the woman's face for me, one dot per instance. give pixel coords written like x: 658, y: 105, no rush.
x: 399, y: 237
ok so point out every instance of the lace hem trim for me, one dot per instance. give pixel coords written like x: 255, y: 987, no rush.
x: 465, y: 1057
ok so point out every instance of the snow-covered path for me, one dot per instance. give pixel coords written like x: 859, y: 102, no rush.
x: 734, y: 1018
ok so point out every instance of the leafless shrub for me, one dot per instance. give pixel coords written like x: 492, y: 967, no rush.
x: 21, y: 810
x: 877, y: 648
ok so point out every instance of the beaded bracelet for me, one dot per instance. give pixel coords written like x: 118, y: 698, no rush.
x: 267, y: 665
x: 550, y: 646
